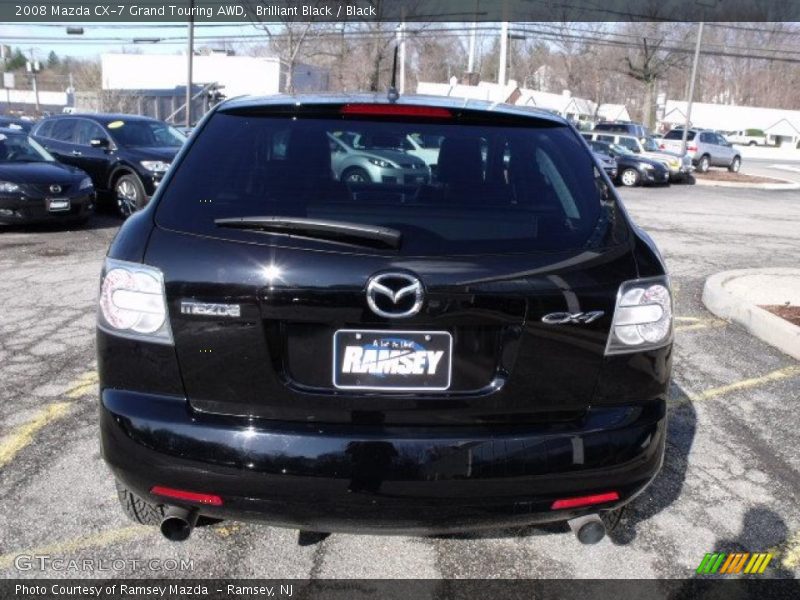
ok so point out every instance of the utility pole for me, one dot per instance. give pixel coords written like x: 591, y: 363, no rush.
x: 501, y: 74
x: 401, y: 42
x: 33, y: 69
x: 471, y: 59
x: 691, y: 88
x: 189, y: 60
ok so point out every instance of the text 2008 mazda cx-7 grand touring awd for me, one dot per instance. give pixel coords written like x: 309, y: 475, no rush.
x: 486, y: 348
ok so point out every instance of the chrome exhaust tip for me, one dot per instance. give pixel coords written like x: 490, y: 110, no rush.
x: 178, y: 523
x: 589, y: 529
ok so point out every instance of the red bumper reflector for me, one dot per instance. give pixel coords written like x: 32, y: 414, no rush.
x: 211, y: 499
x: 396, y: 110
x: 584, y: 500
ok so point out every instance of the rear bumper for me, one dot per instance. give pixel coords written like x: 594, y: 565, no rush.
x: 342, y: 478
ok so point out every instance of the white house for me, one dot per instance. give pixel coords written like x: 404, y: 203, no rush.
x: 781, y: 126
x: 491, y: 92
x: 565, y: 104
x: 613, y: 112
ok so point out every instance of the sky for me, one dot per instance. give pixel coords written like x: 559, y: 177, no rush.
x: 99, y: 38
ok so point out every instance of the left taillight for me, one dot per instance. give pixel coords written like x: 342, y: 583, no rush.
x: 133, y: 302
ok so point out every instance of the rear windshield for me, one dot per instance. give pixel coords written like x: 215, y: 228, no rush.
x: 677, y: 134
x: 447, y: 188
x: 619, y: 127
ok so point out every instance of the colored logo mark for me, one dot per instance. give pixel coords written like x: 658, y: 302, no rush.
x: 737, y: 562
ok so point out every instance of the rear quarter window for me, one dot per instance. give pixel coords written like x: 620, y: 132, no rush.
x: 491, y: 189
x: 44, y: 129
x: 677, y: 134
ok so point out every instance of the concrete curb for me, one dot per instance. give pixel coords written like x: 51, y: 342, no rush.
x: 764, y: 325
x: 789, y: 185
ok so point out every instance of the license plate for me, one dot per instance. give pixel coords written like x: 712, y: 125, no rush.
x: 392, y: 360
x: 57, y: 204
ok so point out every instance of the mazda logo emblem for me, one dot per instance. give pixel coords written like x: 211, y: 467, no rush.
x: 55, y: 188
x: 395, y: 295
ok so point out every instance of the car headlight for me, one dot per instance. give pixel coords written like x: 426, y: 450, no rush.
x: 642, y: 316
x: 86, y: 183
x: 383, y: 164
x: 6, y: 187
x: 156, y: 166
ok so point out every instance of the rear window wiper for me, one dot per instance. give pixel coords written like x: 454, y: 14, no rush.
x: 325, y: 229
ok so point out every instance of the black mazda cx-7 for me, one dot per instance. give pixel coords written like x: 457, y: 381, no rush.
x: 486, y: 347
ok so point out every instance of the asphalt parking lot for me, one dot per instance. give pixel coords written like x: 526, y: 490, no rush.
x: 731, y: 480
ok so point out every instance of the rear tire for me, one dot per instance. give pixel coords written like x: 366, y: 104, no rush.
x: 629, y: 177
x: 703, y: 164
x: 137, y: 508
x: 752, y: 143
x: 735, y: 165
x: 129, y: 195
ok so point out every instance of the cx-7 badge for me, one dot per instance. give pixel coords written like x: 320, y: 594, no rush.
x: 561, y: 318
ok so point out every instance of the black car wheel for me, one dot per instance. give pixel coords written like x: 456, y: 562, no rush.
x: 735, y: 165
x: 703, y: 164
x: 629, y: 177
x: 130, y: 196
x: 356, y: 175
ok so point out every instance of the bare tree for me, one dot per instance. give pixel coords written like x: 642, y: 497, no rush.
x: 651, y: 60
x: 290, y: 39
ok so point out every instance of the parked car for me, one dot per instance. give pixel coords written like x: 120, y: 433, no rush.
x: 608, y: 163
x: 382, y: 357
x: 34, y: 188
x: 633, y: 169
x: 706, y: 148
x: 125, y: 155
x: 680, y: 167
x: 423, y: 147
x: 626, y: 127
x: 15, y: 123
x: 378, y: 158
x: 747, y: 137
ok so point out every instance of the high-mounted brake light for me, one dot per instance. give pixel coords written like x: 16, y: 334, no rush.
x: 195, y: 497
x: 133, y: 303
x: 642, y: 316
x: 584, y: 500
x: 396, y: 110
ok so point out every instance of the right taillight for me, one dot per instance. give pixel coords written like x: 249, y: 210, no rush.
x: 642, y: 316
x: 133, y: 302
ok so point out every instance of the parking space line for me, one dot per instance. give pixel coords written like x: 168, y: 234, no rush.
x: 23, y: 435
x: 102, y: 539
x: 85, y: 384
x: 744, y: 384
x: 706, y: 325
x: 790, y: 555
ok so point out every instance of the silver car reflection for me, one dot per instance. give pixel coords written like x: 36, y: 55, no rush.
x: 358, y: 158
